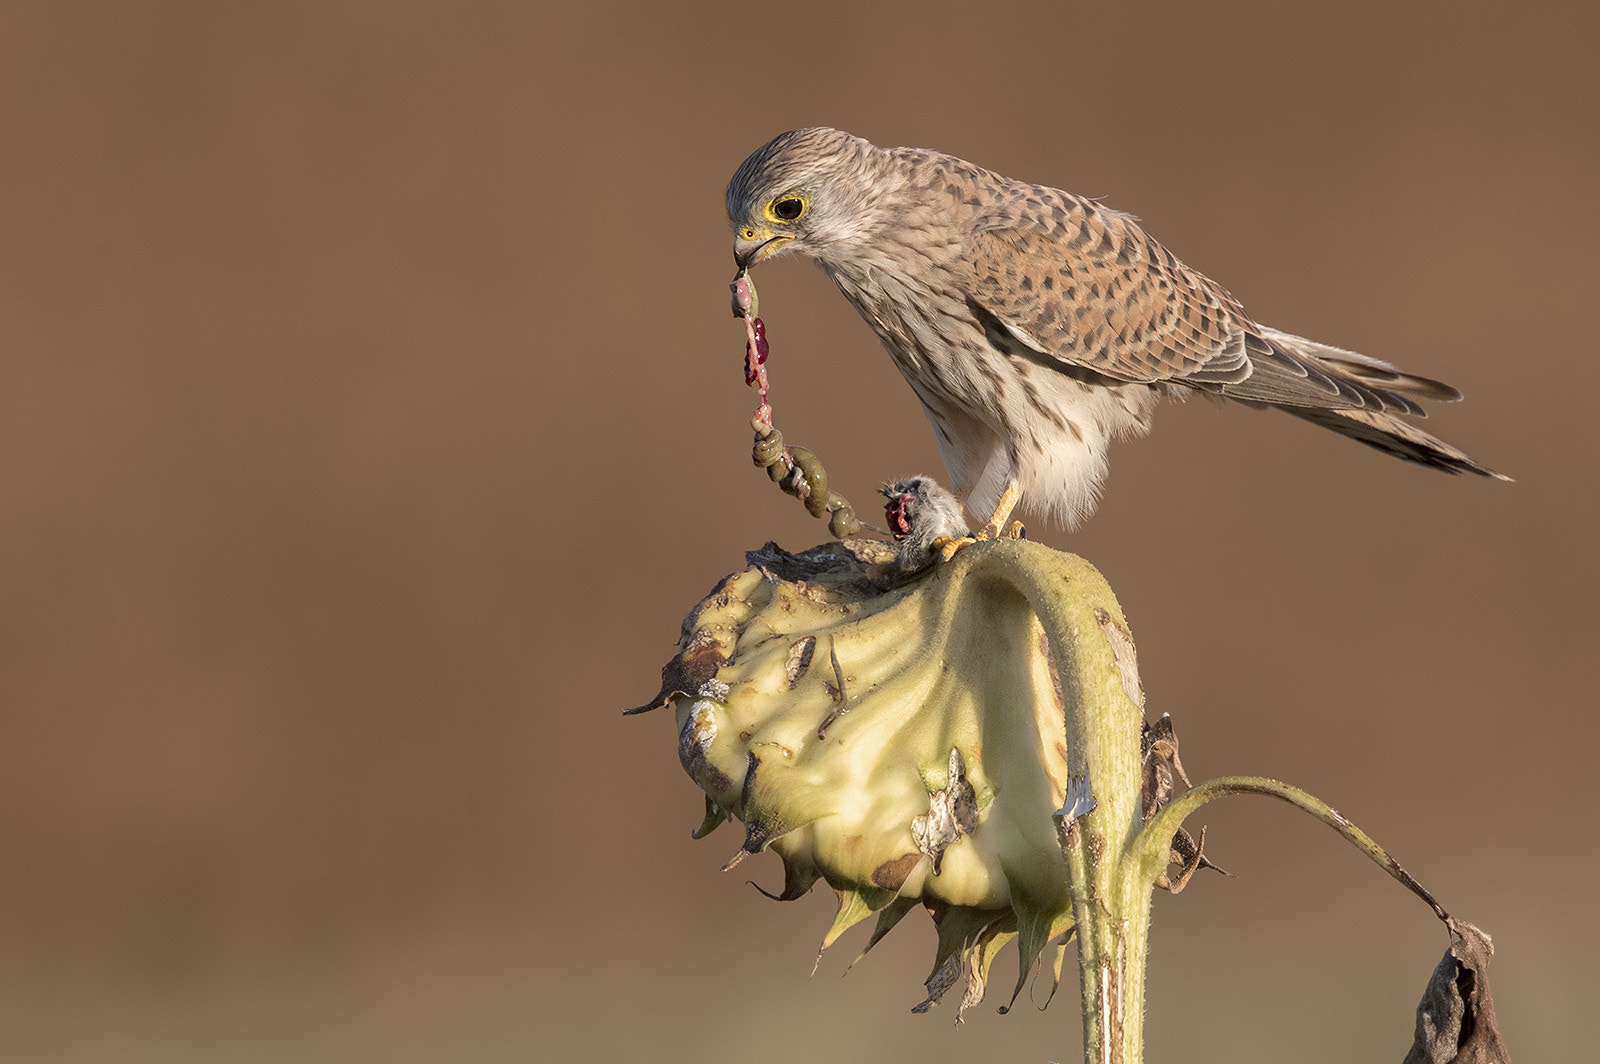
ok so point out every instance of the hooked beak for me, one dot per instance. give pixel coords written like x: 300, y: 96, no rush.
x: 751, y: 245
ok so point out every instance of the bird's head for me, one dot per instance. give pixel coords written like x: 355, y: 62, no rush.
x: 921, y: 514
x: 808, y: 190
x: 921, y: 506
x: 897, y: 511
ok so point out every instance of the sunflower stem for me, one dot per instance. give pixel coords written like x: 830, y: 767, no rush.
x: 1102, y: 719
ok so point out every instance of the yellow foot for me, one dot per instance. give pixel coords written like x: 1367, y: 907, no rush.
x: 948, y: 545
x: 1016, y: 531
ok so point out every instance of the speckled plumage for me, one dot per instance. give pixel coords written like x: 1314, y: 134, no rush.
x: 1035, y: 326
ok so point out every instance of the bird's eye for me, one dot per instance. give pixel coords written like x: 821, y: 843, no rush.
x: 788, y: 208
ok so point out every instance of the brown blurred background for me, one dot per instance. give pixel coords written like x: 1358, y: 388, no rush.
x: 370, y: 414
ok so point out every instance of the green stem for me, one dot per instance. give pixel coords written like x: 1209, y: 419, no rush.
x: 1101, y: 729
x: 1149, y: 855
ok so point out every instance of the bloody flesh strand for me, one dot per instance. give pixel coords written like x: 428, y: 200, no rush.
x: 895, y: 512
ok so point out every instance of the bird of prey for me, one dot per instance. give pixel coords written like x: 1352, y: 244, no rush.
x: 923, y: 517
x: 1035, y: 325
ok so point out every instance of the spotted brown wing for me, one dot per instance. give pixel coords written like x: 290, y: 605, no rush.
x: 1086, y: 286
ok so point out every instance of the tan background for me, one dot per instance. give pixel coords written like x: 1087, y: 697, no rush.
x: 370, y: 413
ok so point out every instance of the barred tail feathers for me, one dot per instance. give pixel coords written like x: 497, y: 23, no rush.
x: 1395, y: 436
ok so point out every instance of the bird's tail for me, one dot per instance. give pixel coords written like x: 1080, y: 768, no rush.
x: 1373, y: 372
x: 1392, y: 435
x: 1385, y: 393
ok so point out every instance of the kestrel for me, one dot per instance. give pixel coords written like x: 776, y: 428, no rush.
x: 1036, y: 326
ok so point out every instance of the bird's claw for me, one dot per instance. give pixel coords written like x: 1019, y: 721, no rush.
x: 947, y: 546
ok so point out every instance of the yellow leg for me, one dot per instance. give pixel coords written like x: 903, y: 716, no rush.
x: 1008, y: 502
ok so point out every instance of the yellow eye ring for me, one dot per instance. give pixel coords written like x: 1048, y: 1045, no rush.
x: 788, y: 207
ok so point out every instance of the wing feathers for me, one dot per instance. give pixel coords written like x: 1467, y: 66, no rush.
x: 1094, y: 290
x: 1086, y: 287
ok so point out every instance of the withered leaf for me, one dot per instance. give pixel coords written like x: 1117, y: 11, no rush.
x: 952, y: 812
x: 1189, y: 856
x: 1455, y: 1019
x: 798, y: 660
x: 1160, y: 767
x: 685, y: 674
x: 943, y: 978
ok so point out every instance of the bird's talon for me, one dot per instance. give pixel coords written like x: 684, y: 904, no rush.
x: 947, y: 546
x: 1016, y: 531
